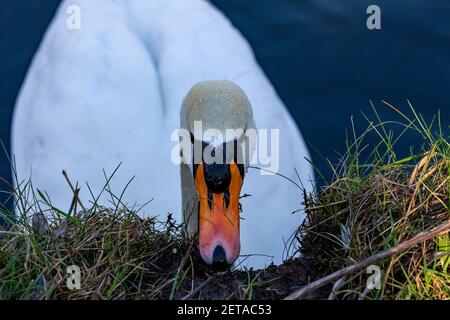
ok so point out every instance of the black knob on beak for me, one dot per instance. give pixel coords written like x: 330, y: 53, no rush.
x: 219, y: 262
x: 217, y: 177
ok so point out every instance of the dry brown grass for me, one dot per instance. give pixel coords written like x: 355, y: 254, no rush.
x: 367, y: 209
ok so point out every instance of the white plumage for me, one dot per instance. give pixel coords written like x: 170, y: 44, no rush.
x: 111, y: 92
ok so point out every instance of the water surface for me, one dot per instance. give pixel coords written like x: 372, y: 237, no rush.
x: 323, y: 61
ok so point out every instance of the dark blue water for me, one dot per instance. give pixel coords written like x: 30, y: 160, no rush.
x: 323, y: 61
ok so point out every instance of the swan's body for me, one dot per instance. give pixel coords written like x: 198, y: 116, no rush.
x: 112, y: 92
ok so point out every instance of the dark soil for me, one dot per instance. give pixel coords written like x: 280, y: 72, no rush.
x: 274, y: 282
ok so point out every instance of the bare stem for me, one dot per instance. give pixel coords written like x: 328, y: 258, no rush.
x: 75, y: 191
x: 421, y: 237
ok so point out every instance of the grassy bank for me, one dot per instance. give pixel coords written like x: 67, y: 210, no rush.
x: 380, y: 204
x: 122, y: 256
x: 380, y: 208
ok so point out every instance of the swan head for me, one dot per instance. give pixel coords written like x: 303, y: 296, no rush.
x: 217, y: 115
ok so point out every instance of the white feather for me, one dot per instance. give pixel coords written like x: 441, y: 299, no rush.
x: 111, y: 92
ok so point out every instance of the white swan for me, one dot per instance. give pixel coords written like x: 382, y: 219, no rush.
x: 111, y: 92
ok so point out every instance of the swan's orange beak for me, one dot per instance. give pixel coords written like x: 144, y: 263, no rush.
x: 219, y: 188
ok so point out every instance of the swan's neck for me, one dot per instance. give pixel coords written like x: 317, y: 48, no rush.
x: 189, y: 199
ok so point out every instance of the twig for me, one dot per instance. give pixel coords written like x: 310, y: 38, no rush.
x: 421, y: 237
x: 73, y: 189
x: 337, y: 285
x: 198, y: 289
x: 183, y: 262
